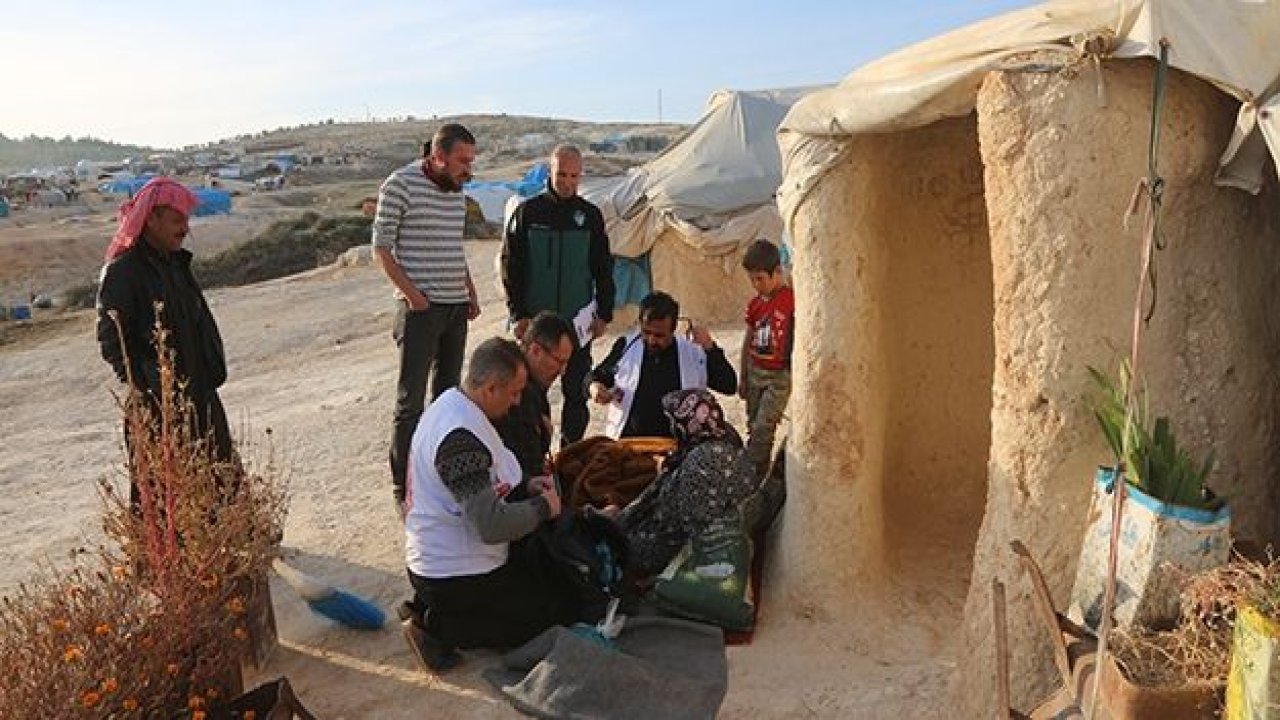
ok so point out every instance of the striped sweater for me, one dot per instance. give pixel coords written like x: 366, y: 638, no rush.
x: 422, y: 227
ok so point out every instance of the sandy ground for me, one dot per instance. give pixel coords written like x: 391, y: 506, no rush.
x: 311, y: 358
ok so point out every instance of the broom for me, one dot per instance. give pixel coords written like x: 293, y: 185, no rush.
x: 336, y: 604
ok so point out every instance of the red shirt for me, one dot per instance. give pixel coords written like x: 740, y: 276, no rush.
x: 769, y: 328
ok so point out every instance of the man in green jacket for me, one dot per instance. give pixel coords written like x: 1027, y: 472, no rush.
x: 556, y: 257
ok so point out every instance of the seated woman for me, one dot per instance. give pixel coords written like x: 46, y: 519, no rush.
x: 702, y: 479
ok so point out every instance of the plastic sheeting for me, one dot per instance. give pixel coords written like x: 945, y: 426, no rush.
x: 1234, y: 44
x: 715, y: 185
x: 632, y: 280
x: 492, y: 195
x: 212, y: 201
x: 126, y: 186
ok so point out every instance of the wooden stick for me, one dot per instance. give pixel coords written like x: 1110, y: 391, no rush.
x: 1002, y: 650
x: 1043, y: 602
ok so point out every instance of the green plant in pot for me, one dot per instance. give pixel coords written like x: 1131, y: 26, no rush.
x: 1171, y: 524
x: 1154, y: 462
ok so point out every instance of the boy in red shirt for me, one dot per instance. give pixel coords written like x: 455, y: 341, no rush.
x: 766, y: 350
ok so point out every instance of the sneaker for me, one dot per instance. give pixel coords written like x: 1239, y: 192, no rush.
x: 433, y: 655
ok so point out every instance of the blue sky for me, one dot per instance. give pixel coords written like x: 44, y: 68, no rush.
x: 170, y: 74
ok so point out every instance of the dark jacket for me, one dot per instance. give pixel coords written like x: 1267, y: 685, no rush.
x: 524, y: 430
x: 556, y: 257
x: 131, y: 285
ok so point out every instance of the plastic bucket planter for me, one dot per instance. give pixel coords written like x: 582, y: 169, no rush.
x: 1159, y: 545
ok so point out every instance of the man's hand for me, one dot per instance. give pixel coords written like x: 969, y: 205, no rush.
x: 700, y: 335
x: 605, y: 395
x: 546, y: 487
x: 522, y: 325
x: 417, y: 301
x: 598, y: 327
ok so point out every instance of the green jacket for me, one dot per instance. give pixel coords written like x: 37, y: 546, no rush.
x: 555, y: 256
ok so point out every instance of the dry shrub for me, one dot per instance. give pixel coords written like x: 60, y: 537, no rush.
x: 154, y: 624
x: 1198, y: 650
x: 1190, y: 654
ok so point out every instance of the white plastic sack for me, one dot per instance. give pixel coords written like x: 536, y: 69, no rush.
x: 1160, y: 545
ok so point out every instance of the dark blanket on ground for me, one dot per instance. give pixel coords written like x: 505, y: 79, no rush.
x: 599, y: 471
x: 662, y: 668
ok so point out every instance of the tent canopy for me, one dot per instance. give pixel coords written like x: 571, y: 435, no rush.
x: 725, y: 167
x: 1233, y: 44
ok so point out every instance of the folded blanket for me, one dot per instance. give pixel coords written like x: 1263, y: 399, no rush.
x: 599, y: 471
x: 662, y: 668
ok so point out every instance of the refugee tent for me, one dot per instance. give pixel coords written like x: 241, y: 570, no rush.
x: 124, y: 184
x: 493, y: 195
x: 212, y: 201
x: 693, y: 209
x: 960, y: 259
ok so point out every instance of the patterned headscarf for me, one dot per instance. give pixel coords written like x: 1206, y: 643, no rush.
x: 696, y: 417
x: 158, y: 192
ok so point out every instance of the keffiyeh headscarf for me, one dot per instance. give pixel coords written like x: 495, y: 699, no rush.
x: 696, y: 417
x: 158, y: 192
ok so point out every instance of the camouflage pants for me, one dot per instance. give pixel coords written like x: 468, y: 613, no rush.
x: 767, y: 394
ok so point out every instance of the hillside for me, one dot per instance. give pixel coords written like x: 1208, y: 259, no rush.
x: 502, y: 141
x: 371, y: 149
x: 50, y: 250
x: 32, y: 151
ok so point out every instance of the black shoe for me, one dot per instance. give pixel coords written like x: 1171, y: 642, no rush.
x: 434, y: 656
x: 405, y: 611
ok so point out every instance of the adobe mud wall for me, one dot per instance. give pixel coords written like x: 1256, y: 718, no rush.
x: 1059, y: 173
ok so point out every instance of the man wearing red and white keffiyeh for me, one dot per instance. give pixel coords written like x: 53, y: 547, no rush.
x: 148, y: 271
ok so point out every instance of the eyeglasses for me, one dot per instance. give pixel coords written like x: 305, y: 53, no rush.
x: 551, y: 354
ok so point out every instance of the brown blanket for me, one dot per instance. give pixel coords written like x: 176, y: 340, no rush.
x: 599, y: 471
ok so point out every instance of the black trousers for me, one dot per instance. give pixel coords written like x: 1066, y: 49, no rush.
x: 574, y: 415
x: 210, y: 420
x: 502, y: 608
x: 432, y: 343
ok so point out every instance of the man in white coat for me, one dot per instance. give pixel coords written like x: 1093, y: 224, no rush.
x: 649, y: 362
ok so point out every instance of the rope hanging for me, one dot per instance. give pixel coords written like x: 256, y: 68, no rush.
x: 1153, y: 188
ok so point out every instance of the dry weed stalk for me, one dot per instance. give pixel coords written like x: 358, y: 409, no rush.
x: 154, y: 626
x: 1198, y: 650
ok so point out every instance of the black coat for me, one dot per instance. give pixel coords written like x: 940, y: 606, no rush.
x: 131, y: 285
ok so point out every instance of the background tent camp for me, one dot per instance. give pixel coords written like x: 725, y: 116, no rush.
x: 960, y: 258
x: 212, y: 201
x: 689, y: 213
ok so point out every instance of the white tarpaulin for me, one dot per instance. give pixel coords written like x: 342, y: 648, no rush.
x: 715, y: 185
x: 491, y: 199
x: 1234, y: 44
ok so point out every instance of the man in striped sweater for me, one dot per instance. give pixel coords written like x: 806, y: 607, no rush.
x: 417, y: 239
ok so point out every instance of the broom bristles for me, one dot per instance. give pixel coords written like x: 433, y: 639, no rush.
x: 338, y: 605
x: 349, y: 610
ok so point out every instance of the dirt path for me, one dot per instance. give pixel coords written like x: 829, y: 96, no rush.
x: 311, y: 358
